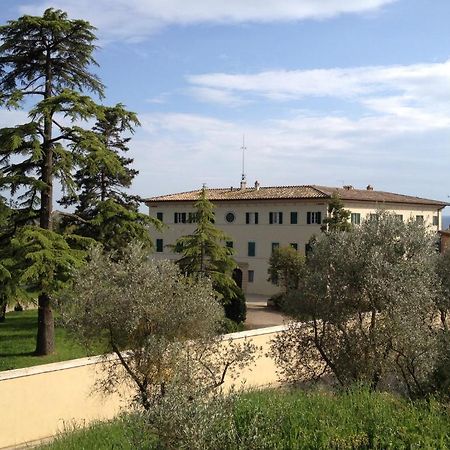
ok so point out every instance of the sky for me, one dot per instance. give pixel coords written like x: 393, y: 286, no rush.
x: 326, y: 92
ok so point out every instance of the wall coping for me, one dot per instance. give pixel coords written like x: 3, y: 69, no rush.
x: 92, y: 360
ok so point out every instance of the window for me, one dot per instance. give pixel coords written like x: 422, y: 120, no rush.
x: 251, y: 249
x: 229, y: 244
x: 251, y: 218
x: 294, y: 217
x: 436, y: 221
x: 179, y: 217
x: 373, y: 216
x: 419, y: 219
x: 294, y: 245
x: 276, y: 217
x: 251, y: 276
x: 230, y: 217
x: 192, y: 217
x: 275, y: 245
x: 159, y: 245
x: 399, y: 217
x: 160, y: 216
x: 356, y: 218
x: 313, y: 217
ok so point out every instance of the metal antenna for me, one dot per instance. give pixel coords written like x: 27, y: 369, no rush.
x: 243, y: 148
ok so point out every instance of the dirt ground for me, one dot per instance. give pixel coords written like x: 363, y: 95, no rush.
x: 259, y: 315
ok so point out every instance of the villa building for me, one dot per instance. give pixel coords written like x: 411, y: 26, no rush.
x: 259, y: 219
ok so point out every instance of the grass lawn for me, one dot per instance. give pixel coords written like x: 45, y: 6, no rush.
x: 18, y: 341
x: 295, y: 420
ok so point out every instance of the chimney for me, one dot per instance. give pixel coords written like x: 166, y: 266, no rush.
x: 257, y: 185
x: 369, y: 187
x: 243, y: 182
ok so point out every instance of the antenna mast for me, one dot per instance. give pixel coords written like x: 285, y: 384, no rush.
x: 243, y: 178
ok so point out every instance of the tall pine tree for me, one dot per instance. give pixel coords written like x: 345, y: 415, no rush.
x: 104, y: 210
x: 46, y: 58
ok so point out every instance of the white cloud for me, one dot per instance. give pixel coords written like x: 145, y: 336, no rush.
x: 177, y: 152
x: 135, y: 19
x: 416, y: 95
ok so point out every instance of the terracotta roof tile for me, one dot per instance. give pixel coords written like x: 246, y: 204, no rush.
x: 295, y: 192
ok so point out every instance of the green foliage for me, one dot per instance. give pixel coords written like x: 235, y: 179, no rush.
x: 104, y: 211
x: 338, y: 217
x: 284, y: 420
x: 48, y: 58
x: 286, y: 268
x: 235, y: 306
x: 46, y: 261
x: 371, y: 294
x: 161, y: 325
x: 205, y: 255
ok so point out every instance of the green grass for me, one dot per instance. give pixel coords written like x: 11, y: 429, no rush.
x: 18, y: 342
x: 289, y: 420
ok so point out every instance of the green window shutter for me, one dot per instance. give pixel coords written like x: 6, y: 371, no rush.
x: 251, y: 249
x: 247, y: 218
x: 293, y: 217
x: 280, y: 218
x: 308, y: 217
x: 159, y: 245
x: 160, y: 216
x: 319, y: 217
x: 256, y: 218
x: 270, y: 217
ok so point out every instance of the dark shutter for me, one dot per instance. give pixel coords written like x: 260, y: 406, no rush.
x: 270, y: 217
x: 251, y: 249
x: 280, y: 217
x: 247, y: 218
x: 294, y: 217
x: 159, y: 245
x: 319, y: 217
x: 159, y: 216
x: 175, y: 217
x: 308, y: 217
x: 256, y: 218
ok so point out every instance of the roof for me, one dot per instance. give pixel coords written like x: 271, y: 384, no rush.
x: 295, y: 192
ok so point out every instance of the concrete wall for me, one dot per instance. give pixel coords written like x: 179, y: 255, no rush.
x: 264, y: 234
x: 38, y: 402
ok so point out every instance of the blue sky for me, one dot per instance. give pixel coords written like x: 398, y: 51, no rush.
x: 326, y: 91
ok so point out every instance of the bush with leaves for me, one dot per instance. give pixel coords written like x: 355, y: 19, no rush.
x: 286, y: 267
x: 371, y: 294
x: 162, y: 327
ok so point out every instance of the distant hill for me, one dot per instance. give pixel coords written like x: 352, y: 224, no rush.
x: 445, y: 222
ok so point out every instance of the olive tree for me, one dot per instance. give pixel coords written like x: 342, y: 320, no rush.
x: 371, y: 293
x: 161, y: 325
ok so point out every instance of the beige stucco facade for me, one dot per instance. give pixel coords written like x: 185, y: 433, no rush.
x: 264, y: 234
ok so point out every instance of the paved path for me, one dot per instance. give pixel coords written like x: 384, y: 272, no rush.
x: 259, y: 315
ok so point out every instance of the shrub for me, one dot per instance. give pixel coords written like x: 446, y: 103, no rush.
x: 235, y: 307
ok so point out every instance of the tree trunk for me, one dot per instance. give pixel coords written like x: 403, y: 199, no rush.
x: 45, y: 343
x: 2, y: 311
